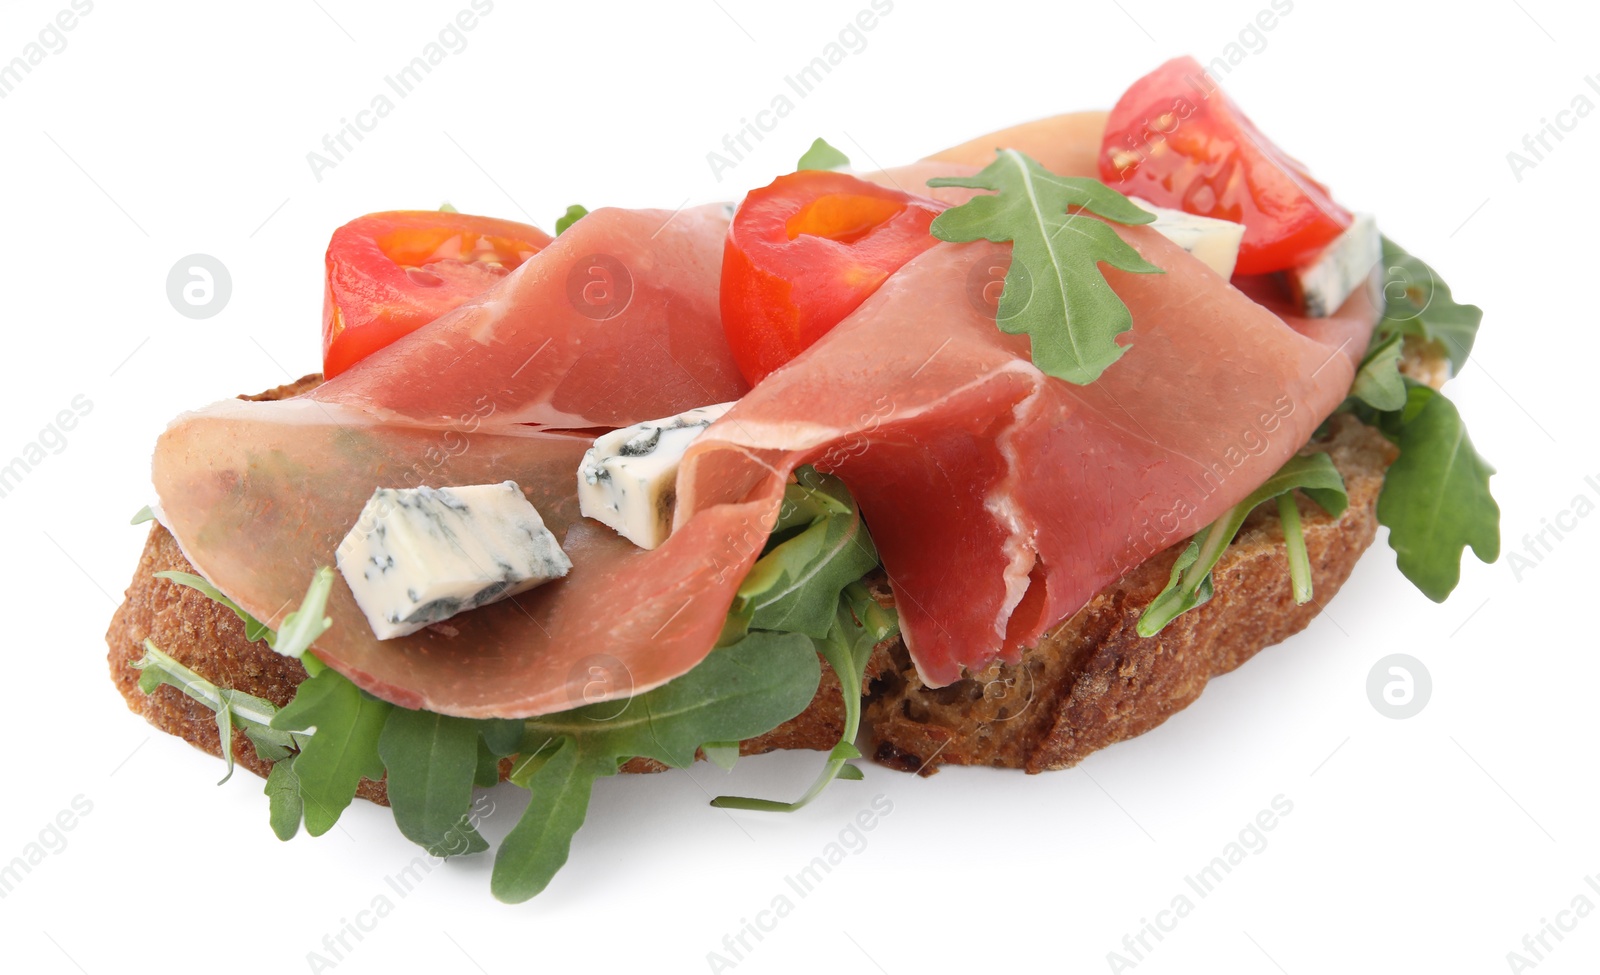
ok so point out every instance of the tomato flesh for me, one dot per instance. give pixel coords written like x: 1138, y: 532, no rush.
x: 389, y: 274
x: 1177, y: 140
x: 804, y: 252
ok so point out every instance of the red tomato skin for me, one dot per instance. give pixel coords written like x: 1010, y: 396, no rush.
x: 1177, y: 140
x: 389, y: 274
x: 803, y: 252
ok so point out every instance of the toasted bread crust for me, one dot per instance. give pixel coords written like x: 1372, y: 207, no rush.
x: 1091, y: 682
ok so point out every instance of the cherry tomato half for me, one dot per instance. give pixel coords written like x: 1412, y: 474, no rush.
x: 1177, y: 140
x: 803, y: 252
x: 391, y: 273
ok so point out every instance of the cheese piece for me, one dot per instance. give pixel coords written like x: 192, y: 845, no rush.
x: 1322, y: 284
x: 628, y: 479
x: 420, y: 555
x: 1215, y: 243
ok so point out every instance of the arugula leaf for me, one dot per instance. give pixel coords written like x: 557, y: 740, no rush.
x: 1378, y: 381
x: 1054, y: 290
x: 1294, y: 549
x: 574, y: 213
x: 1417, y: 302
x: 302, y: 627
x: 501, y: 736
x: 432, y: 761
x: 1183, y: 591
x: 1435, y: 500
x: 722, y: 754
x: 283, y: 799
x: 251, y: 714
x: 794, y: 587
x: 860, y: 624
x: 822, y: 156
x: 537, y: 847
x: 735, y: 693
x: 1191, y: 584
x: 809, y: 583
x: 488, y: 771
x: 342, y: 748
x: 254, y: 629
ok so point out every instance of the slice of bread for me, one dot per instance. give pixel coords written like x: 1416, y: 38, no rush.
x: 1091, y: 682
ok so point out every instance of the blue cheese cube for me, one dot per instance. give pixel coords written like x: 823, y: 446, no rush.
x: 1325, y: 282
x: 1213, y: 242
x: 420, y: 555
x: 628, y: 479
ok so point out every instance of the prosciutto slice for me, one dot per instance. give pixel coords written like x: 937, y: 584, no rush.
x: 613, y: 323
x: 259, y: 494
x: 1001, y: 500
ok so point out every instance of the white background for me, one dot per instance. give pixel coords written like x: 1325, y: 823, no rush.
x: 1431, y: 844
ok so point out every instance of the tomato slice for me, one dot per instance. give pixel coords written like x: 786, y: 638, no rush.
x: 1177, y: 140
x: 391, y: 273
x: 803, y: 252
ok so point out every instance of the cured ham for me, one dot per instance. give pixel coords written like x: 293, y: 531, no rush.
x: 1067, y: 145
x: 259, y: 494
x: 1001, y: 499
x: 615, y: 322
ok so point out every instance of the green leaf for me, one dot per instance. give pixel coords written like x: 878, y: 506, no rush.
x: 722, y: 754
x: 342, y: 749
x: 502, y: 736
x: 271, y: 746
x: 142, y: 515
x: 445, y: 207
x: 1054, y: 291
x: 735, y: 693
x: 254, y: 629
x: 534, y: 753
x: 488, y: 771
x: 301, y: 628
x: 1191, y: 584
x: 1378, y: 381
x: 1185, y: 589
x: 1294, y: 545
x: 1435, y: 500
x: 537, y: 847
x: 822, y: 156
x: 225, y: 739
x: 283, y: 799
x: 1417, y: 302
x: 251, y: 714
x: 795, y: 586
x: 573, y: 215
x: 431, y: 761
x: 859, y: 625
